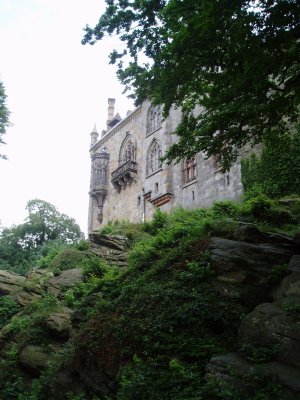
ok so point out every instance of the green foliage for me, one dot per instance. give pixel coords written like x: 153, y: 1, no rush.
x: 4, y: 115
x: 161, y: 320
x: 225, y: 208
x: 276, y: 172
x: 68, y: 259
x: 159, y: 221
x: 236, y: 59
x: 292, y: 307
x: 83, y: 245
x: 8, y: 308
x: 260, y: 354
x: 134, y: 232
x: 47, y: 253
x: 44, y: 233
x: 10, y: 380
x: 262, y: 209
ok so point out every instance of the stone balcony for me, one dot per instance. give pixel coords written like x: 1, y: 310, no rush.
x: 124, y: 175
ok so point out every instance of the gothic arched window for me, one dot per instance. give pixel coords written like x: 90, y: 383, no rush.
x: 154, y: 118
x: 153, y: 157
x: 189, y: 169
x: 128, y: 150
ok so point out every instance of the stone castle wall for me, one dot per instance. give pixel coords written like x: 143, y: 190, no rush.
x: 135, y: 188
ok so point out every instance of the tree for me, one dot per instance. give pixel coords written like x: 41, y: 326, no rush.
x: 45, y: 223
x: 238, y: 59
x: 4, y: 115
x: 20, y: 244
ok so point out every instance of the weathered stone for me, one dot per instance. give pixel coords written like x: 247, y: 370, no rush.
x: 247, y: 232
x: 10, y: 282
x: 59, y: 323
x: 66, y: 280
x: 228, y: 255
x: 268, y: 326
x: 294, y: 264
x: 24, y: 297
x: 116, y: 242
x: 34, y: 359
x: 289, y: 290
x: 233, y: 369
x: 297, y: 240
x: 109, y: 254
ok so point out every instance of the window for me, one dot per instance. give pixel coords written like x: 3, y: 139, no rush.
x: 128, y: 150
x: 189, y: 170
x: 217, y: 162
x: 154, y: 118
x: 153, y: 157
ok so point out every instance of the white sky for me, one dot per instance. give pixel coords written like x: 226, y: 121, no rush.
x: 57, y: 89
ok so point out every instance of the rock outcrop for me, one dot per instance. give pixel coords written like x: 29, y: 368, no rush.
x: 268, y: 342
x: 112, y: 248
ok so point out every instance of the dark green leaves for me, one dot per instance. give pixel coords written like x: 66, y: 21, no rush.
x: 238, y: 60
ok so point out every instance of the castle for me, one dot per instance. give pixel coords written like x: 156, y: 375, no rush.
x: 128, y: 179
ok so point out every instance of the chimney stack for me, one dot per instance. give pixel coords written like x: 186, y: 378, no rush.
x: 110, y: 111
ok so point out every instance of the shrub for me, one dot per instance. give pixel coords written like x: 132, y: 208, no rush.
x: 83, y: 245
x: 8, y: 308
x: 133, y: 232
x: 276, y: 172
x: 262, y: 209
x: 68, y: 259
x: 225, y: 208
x: 159, y: 220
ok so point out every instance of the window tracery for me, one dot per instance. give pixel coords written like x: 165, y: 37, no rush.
x: 154, y: 157
x: 154, y: 118
x: 128, y: 150
x: 189, y: 169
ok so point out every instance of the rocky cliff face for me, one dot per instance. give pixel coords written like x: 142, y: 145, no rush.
x: 246, y: 265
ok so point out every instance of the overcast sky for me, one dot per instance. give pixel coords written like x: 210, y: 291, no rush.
x: 57, y: 90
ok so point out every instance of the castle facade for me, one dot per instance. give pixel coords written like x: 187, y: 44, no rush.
x: 129, y: 181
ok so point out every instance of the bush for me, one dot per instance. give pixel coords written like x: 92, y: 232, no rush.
x: 276, y: 172
x: 225, y: 208
x: 133, y: 232
x: 159, y: 220
x: 68, y: 259
x: 8, y: 308
x: 262, y: 209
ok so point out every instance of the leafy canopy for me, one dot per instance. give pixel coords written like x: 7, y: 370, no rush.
x: 4, y: 115
x: 21, y: 244
x: 238, y: 59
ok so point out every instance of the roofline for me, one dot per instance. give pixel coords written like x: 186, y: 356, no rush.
x: 115, y: 129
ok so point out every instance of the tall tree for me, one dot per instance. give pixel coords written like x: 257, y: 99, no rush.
x: 4, y: 115
x: 20, y: 244
x: 239, y: 60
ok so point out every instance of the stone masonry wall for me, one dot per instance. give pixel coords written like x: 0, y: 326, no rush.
x: 137, y: 200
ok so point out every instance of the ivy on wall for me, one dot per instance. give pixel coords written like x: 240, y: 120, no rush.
x: 276, y: 172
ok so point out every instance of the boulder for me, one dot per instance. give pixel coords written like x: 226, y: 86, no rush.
x: 272, y: 331
x: 10, y: 282
x: 24, y: 297
x: 289, y: 289
x: 294, y: 264
x: 247, y: 232
x: 34, y: 359
x: 66, y: 280
x: 232, y: 369
x: 59, y: 323
x: 231, y: 255
x: 116, y: 242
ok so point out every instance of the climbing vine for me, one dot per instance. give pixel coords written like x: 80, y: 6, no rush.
x: 276, y: 172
